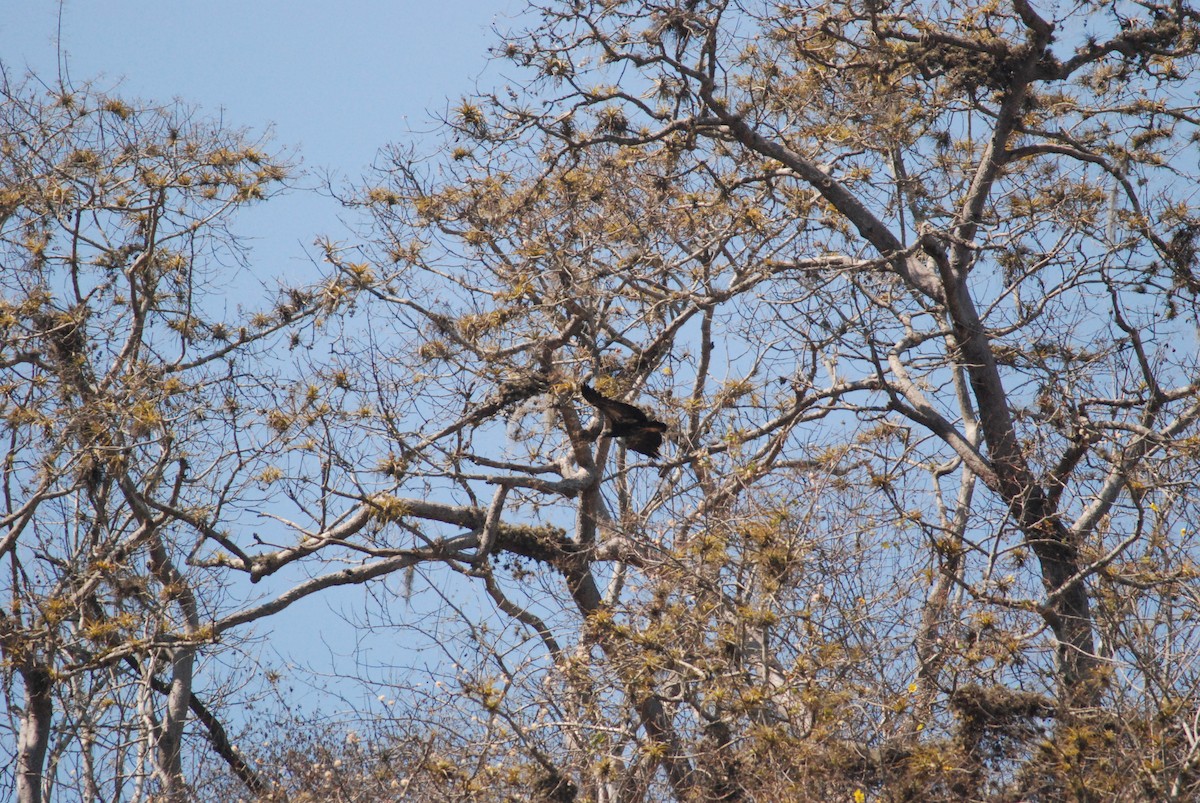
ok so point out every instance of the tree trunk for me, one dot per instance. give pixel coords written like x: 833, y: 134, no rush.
x: 35, y: 733
x: 1068, y: 612
x: 169, y: 746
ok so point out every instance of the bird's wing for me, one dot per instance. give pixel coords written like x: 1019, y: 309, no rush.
x: 646, y: 441
x: 619, y: 414
x: 637, y: 431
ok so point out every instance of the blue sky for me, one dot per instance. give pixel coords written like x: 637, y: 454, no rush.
x: 333, y: 81
x: 337, y: 79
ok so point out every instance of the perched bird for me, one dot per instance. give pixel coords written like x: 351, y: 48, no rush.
x: 636, y: 430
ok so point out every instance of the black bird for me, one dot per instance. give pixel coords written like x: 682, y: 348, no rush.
x: 636, y: 430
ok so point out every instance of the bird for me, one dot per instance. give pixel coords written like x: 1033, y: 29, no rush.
x: 636, y: 430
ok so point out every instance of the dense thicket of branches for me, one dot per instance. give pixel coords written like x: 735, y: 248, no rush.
x: 132, y: 405
x: 913, y: 286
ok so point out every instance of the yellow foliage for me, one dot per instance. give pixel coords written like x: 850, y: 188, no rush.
x: 383, y: 195
x: 388, y: 508
x: 278, y: 420
x: 117, y: 107
x: 270, y: 474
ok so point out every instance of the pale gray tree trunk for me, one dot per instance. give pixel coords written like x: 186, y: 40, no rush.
x: 168, y: 752
x: 168, y: 748
x: 35, y: 733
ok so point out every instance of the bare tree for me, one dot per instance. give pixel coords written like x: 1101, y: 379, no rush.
x: 125, y: 391
x: 913, y: 287
x: 910, y: 287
